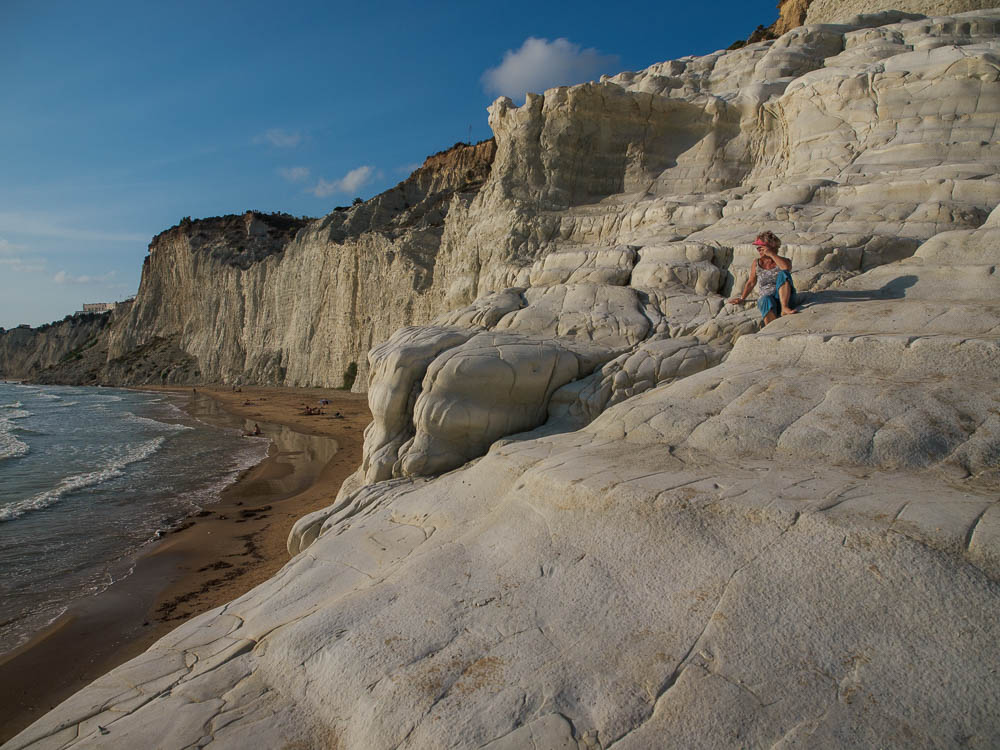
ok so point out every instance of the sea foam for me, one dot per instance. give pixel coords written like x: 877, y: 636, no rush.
x: 172, y: 426
x: 10, y: 445
x: 113, y: 469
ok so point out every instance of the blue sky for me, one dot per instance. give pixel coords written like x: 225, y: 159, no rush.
x: 120, y: 118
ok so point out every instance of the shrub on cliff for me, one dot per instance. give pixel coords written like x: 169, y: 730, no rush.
x: 350, y: 375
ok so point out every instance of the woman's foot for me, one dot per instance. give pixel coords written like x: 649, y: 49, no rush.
x: 789, y: 311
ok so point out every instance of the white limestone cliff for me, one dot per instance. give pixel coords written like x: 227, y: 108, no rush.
x: 274, y: 299
x: 659, y: 527
x: 26, y: 351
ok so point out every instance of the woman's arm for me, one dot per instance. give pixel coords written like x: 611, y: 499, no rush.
x: 748, y: 286
x: 785, y: 264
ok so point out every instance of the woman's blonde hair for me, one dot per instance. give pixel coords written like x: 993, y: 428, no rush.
x: 771, y: 239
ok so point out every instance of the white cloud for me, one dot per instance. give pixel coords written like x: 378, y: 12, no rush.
x: 409, y: 169
x: 22, y: 265
x: 280, y: 138
x: 18, y: 263
x: 541, y: 64
x: 62, y: 277
x: 354, y: 179
x: 294, y: 174
x: 50, y: 225
x: 349, y: 183
x: 324, y: 188
x: 6, y: 247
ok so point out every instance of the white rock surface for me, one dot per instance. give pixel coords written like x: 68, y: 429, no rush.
x: 396, y: 367
x: 493, y: 385
x: 654, y: 362
x: 825, y: 11
x: 784, y: 539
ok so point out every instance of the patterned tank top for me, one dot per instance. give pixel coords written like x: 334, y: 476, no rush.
x: 766, y: 278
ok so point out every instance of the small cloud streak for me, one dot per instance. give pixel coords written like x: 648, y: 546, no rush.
x: 294, y: 174
x: 541, y: 64
x: 280, y: 138
x: 21, y: 265
x: 62, y: 277
x: 7, y: 247
x: 18, y: 263
x: 408, y: 169
x: 45, y: 225
x: 349, y: 183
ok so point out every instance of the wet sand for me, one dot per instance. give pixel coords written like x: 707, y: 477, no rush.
x: 214, y: 557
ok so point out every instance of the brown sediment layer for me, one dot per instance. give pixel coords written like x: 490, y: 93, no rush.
x: 214, y: 557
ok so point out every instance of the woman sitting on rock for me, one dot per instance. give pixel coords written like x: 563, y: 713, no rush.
x: 773, y: 276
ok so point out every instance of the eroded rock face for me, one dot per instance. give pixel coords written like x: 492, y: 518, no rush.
x: 67, y: 347
x: 494, y: 384
x: 654, y: 362
x: 828, y: 11
x: 760, y: 538
x: 397, y: 368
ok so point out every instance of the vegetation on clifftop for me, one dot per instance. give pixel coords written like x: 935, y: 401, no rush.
x: 237, y: 240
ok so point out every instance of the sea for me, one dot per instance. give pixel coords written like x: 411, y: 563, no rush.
x: 90, y: 476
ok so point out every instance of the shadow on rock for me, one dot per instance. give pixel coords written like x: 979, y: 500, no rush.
x: 895, y: 289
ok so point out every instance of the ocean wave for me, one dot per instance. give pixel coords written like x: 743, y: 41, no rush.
x: 172, y: 426
x: 15, y: 405
x: 48, y: 396
x: 11, y: 447
x: 68, y: 403
x: 20, y: 629
x: 174, y: 408
x: 22, y: 430
x: 245, y: 458
x: 114, y: 469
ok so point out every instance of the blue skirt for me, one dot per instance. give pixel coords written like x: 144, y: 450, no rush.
x: 770, y: 302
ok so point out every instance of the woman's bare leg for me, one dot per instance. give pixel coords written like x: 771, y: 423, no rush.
x: 769, y: 317
x: 785, y: 294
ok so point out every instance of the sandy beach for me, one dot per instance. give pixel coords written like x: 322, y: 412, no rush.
x: 212, y: 558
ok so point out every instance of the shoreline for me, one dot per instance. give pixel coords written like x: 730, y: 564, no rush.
x: 213, y: 557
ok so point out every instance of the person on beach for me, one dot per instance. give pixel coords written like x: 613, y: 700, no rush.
x: 773, y: 276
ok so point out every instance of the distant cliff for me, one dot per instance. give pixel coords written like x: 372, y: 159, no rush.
x: 68, y: 345
x: 296, y: 304
x: 269, y: 298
